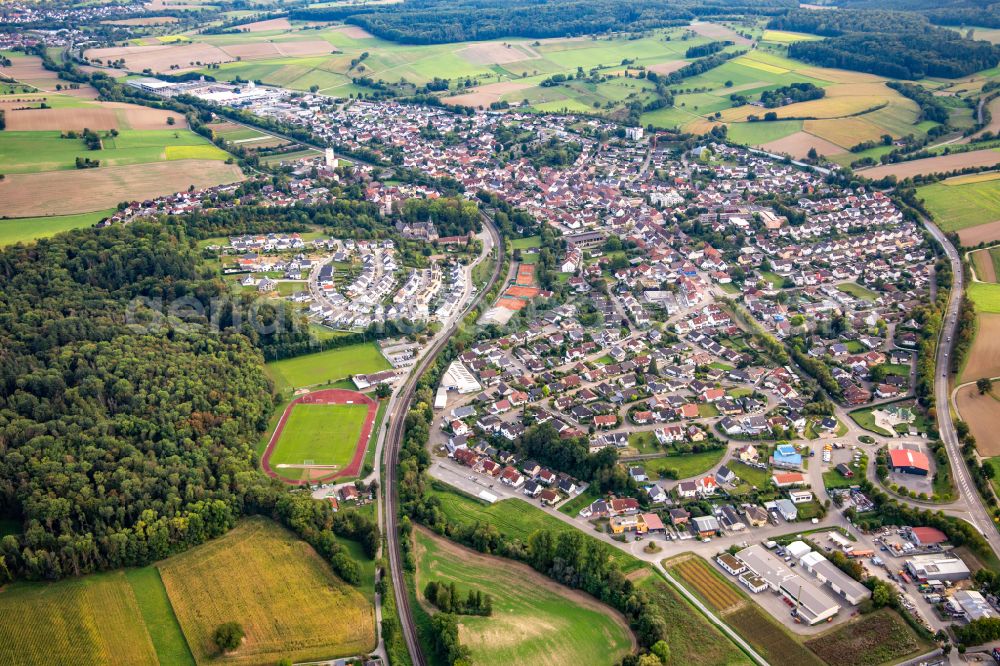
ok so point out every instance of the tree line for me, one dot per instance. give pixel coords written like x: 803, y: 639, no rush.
x: 445, y: 596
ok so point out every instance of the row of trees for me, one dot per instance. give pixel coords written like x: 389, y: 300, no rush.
x: 931, y: 107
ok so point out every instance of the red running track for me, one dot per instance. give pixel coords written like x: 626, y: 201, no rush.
x: 325, y: 397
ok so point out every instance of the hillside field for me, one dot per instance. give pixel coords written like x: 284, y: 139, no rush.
x: 286, y: 597
x: 534, y: 620
x: 957, y: 204
x: 326, y: 366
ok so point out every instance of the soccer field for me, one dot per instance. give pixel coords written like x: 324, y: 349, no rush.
x: 319, y: 434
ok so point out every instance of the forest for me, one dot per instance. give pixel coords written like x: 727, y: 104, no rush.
x: 895, y: 44
x: 444, y: 21
x: 915, y: 55
x: 129, y: 435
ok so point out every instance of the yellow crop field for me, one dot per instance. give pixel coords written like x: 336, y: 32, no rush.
x: 763, y: 66
x: 202, y: 152
x: 783, y: 37
x: 283, y: 593
x: 838, y: 75
x: 828, y: 107
x: 844, y: 132
x: 972, y: 178
x: 91, y: 620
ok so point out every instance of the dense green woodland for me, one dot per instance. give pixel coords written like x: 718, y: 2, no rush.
x: 901, y: 45
x: 119, y: 446
x: 443, y: 21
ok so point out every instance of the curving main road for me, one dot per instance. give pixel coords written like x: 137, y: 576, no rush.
x: 977, y: 514
x: 393, y: 443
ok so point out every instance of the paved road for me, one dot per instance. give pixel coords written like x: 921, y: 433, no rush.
x: 977, y: 514
x: 393, y: 441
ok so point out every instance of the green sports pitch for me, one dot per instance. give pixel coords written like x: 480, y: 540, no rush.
x: 323, y: 435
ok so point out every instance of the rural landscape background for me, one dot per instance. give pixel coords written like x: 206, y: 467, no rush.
x: 432, y: 331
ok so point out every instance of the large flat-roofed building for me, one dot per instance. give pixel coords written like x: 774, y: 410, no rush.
x: 811, y: 604
x: 974, y: 605
x: 839, y: 582
x: 937, y: 567
x: 151, y: 85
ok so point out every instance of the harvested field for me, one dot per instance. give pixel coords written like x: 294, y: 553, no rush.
x: 284, y: 594
x: 76, y: 191
x: 718, y: 31
x: 258, y: 50
x: 982, y: 261
x: 95, y: 118
x: 164, y: 57
x: 983, y: 233
x: 106, y: 116
x: 798, y: 145
x: 982, y: 413
x: 495, y: 53
x: 486, y: 95
x: 355, y: 32
x: 308, y: 47
x: 984, y: 357
x: 844, y: 132
x: 942, y: 163
x: 146, y: 20
x: 264, y: 26
x: 667, y: 67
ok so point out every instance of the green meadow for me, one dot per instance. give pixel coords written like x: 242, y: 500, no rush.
x: 327, y: 366
x: 32, y: 152
x: 960, y: 206
x: 534, y: 620
x: 26, y: 229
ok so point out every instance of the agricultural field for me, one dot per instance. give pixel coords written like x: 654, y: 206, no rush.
x: 985, y: 264
x: 691, y: 638
x: 877, y: 638
x: 27, y: 229
x: 769, y: 638
x: 748, y: 619
x: 982, y: 413
x: 939, y: 164
x: 289, y: 602
x: 986, y: 297
x: 534, y: 620
x: 705, y: 582
x: 326, y: 366
x: 90, y: 620
x: 983, y: 359
x: 77, y: 191
x: 158, y: 614
x: 957, y: 204
x: 33, y: 152
x: 321, y: 434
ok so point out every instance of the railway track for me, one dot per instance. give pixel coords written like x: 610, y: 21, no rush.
x: 393, y: 443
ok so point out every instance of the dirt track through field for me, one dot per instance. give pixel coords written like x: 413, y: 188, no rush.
x: 981, y: 233
x: 984, y: 356
x: 982, y: 413
x: 942, y: 163
x: 83, y: 190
